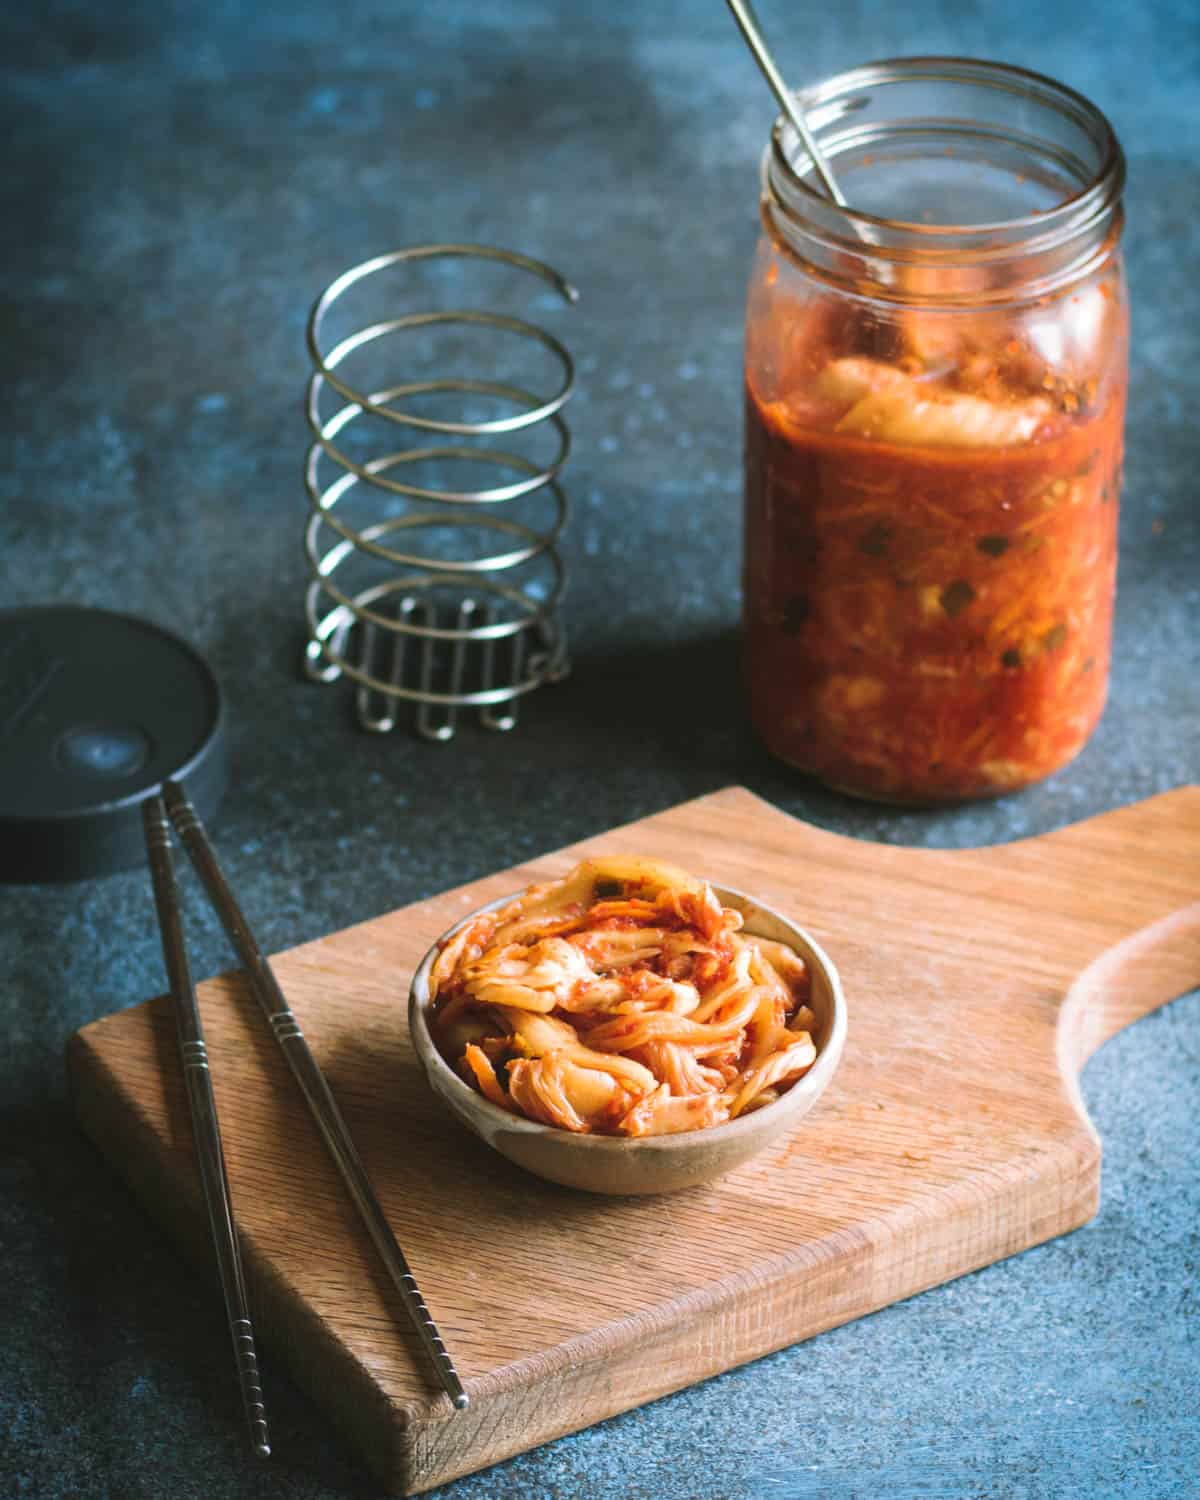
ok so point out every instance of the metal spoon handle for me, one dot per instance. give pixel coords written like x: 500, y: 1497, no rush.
x: 743, y: 14
x: 328, y: 1118
x: 206, y: 1130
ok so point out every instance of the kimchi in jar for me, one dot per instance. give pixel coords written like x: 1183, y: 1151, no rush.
x: 935, y: 393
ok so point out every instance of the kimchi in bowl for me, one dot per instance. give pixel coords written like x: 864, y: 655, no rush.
x: 652, y: 1163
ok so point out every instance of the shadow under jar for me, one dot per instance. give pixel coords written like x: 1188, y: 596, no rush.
x: 935, y: 397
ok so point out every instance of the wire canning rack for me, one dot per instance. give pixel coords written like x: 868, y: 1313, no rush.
x: 436, y: 578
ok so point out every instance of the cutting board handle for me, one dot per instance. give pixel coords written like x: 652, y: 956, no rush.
x: 1106, y: 912
x: 1133, y: 873
x: 1112, y: 903
x: 1127, y: 981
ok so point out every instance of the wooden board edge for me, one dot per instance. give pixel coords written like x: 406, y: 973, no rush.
x: 336, y: 1382
x: 1140, y: 974
x: 1130, y: 816
x: 406, y: 1447
x: 579, y: 1385
x: 1132, y: 813
x: 515, y: 877
x: 734, y: 792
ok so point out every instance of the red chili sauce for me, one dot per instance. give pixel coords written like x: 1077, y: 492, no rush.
x: 929, y: 576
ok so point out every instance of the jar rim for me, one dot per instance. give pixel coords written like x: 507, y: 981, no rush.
x: 827, y: 102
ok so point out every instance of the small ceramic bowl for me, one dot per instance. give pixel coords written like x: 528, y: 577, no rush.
x: 656, y: 1163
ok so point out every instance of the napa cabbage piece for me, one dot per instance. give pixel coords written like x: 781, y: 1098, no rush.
x: 680, y: 1069
x: 622, y: 999
x: 534, y: 977
x: 662, y: 1113
x: 783, y: 1066
x: 558, y: 1091
x: 906, y: 413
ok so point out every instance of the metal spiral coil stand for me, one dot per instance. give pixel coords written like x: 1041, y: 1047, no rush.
x: 396, y: 604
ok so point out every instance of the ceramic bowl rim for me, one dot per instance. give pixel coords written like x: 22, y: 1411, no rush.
x: 809, y: 1088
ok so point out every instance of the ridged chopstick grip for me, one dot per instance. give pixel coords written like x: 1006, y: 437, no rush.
x: 321, y: 1103
x: 206, y: 1130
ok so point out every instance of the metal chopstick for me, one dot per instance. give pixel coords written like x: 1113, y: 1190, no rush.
x: 206, y: 1130
x: 286, y: 1031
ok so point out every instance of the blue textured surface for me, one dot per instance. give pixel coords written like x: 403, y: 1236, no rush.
x: 181, y: 179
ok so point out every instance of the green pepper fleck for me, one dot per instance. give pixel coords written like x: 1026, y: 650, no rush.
x: 1054, y: 637
x: 874, y: 541
x: 994, y: 546
x: 795, y: 612
x: 956, y: 596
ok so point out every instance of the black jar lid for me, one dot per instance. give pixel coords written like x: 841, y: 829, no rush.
x: 96, y: 710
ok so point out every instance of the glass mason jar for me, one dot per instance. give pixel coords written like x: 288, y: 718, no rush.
x: 935, y: 395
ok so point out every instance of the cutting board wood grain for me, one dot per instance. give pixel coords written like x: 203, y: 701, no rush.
x: 978, y: 982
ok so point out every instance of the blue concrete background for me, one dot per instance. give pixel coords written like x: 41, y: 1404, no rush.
x: 181, y: 179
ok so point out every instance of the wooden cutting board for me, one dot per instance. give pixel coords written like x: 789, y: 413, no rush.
x: 978, y: 982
